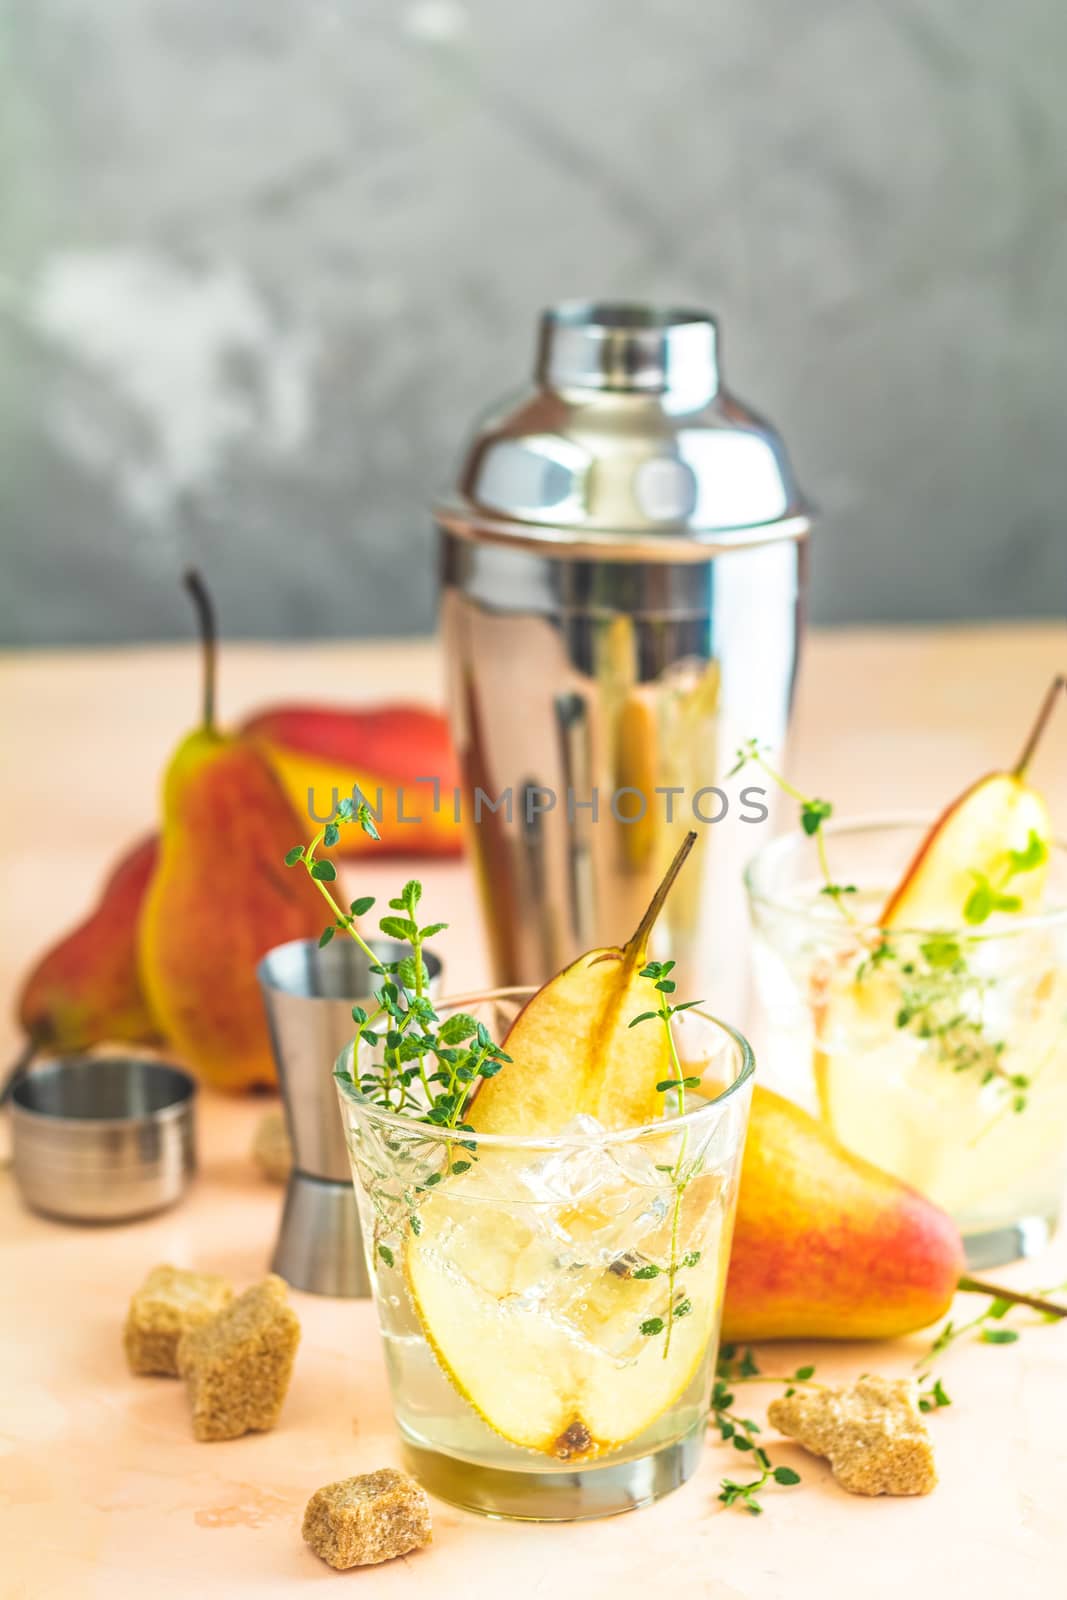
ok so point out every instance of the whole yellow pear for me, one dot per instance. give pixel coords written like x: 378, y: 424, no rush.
x: 221, y: 896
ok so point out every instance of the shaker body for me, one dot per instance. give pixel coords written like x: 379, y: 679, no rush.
x: 596, y: 708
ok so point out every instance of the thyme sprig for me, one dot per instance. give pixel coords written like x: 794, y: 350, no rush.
x: 813, y: 814
x: 740, y: 1432
x: 988, y: 1324
x: 427, y: 1069
x: 658, y: 973
x: 939, y: 994
x: 990, y: 892
x: 932, y: 1393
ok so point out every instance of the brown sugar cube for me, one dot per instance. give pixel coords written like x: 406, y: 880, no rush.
x: 169, y: 1303
x: 237, y: 1366
x: 872, y: 1432
x: 271, y: 1150
x: 361, y: 1521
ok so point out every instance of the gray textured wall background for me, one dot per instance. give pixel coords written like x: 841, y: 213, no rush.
x: 260, y: 260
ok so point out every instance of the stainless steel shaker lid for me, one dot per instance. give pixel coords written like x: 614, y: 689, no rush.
x: 628, y: 447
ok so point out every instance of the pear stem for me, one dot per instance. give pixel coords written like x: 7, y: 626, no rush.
x: 640, y: 939
x: 1040, y: 724
x: 205, y: 616
x: 1015, y: 1297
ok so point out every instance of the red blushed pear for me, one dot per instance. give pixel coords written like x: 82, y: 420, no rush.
x: 221, y: 895
x: 827, y: 1246
x: 969, y: 861
x: 86, y: 989
x: 401, y: 750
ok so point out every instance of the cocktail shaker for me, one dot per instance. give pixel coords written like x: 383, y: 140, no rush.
x: 623, y: 584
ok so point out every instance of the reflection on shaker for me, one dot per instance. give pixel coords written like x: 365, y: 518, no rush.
x: 533, y: 878
x: 572, y: 716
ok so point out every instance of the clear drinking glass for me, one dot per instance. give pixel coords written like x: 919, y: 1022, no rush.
x: 550, y: 1306
x: 941, y: 1057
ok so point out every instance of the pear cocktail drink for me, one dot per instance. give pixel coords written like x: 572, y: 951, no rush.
x: 550, y: 1303
x: 548, y: 1234
x: 913, y: 979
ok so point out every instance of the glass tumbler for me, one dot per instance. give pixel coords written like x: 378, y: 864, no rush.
x: 939, y: 1055
x: 550, y: 1305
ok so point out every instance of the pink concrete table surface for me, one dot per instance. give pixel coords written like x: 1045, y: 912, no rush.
x: 103, y: 1492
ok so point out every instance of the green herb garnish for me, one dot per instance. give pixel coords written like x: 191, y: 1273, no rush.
x: 813, y: 813
x: 940, y: 1002
x: 987, y: 1324
x: 427, y: 1069
x: 990, y: 890
x: 740, y: 1431
x: 658, y: 974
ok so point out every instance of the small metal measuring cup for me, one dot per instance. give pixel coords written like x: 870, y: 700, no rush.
x: 309, y: 994
x: 103, y: 1138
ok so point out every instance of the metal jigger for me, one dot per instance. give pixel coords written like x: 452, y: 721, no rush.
x: 309, y: 994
